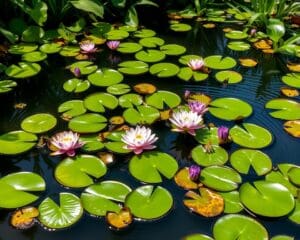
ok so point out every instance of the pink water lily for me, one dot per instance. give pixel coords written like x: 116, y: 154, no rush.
x: 198, y: 107
x: 65, y: 143
x: 77, y: 72
x: 139, y: 139
x: 186, y: 121
x: 87, y: 47
x: 113, y: 44
x: 223, y: 134
x: 196, y: 64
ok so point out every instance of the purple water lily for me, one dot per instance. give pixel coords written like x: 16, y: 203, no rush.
x: 198, y: 107
x: 194, y: 172
x: 77, y: 72
x: 113, y: 45
x: 223, y: 134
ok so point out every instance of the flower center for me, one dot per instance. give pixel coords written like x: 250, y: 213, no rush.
x: 138, y: 137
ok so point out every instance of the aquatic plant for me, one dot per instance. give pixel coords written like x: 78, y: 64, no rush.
x: 198, y: 107
x: 196, y: 64
x: 113, y: 45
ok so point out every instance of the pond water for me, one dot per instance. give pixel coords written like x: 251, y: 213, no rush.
x: 44, y: 93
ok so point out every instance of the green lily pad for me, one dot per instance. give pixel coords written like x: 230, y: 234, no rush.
x: 16, y: 142
x: 150, y: 56
x: 218, y: 156
x: 15, y: 188
x: 72, y: 108
x: 7, y: 85
x: 162, y: 99
x: 282, y: 237
x: 35, y: 56
x: 78, y: 172
x: 164, y: 69
x: 22, y: 48
x: 207, y: 135
x: 295, y: 215
x: 98, y: 102
x: 186, y: 58
x: 103, y: 197
x: 92, y: 143
x: 23, y: 70
x: 118, y: 89
x: 86, y: 67
x: 130, y: 100
x: 116, y: 35
x: 141, y: 115
x: 294, y: 175
x: 33, y: 34
x: 144, y: 33
x: 186, y: 74
x: 219, y: 62
x: 234, y: 226
x: 173, y: 49
x: 129, y: 47
x: 230, y: 109
x: 117, y: 147
x: 133, y: 67
x: 267, y: 198
x: 220, y: 178
x: 285, y: 109
x: 88, y: 123
x: 39, y: 123
x: 239, y: 46
x: 243, y: 159
x: 128, y: 28
x: 55, y: 216
x: 236, y: 35
x: 151, y: 42
x: 76, y: 85
x: 251, y: 136
x: 232, y: 202
x: 150, y: 166
x: 292, y: 79
x: 148, y: 202
x: 69, y: 51
x: 50, y: 48
x: 105, y: 77
x: 229, y: 77
x: 197, y: 236
x: 180, y: 27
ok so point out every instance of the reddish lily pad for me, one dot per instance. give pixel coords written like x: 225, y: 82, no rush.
x: 182, y: 179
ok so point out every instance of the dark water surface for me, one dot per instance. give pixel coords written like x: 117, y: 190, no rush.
x: 44, y: 93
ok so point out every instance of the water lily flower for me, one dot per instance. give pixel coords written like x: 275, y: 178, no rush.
x: 65, y: 143
x: 186, y: 121
x: 187, y: 93
x: 223, y: 134
x: 139, y: 139
x: 194, y: 172
x: 77, y: 72
x: 87, y: 47
x: 198, y: 107
x: 196, y: 64
x: 253, y: 32
x: 112, y: 45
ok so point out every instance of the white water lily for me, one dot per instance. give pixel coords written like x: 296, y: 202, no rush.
x: 186, y: 121
x: 138, y: 139
x: 196, y: 64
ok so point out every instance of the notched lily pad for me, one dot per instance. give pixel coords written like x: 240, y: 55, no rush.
x: 219, y: 62
x: 118, y: 89
x: 76, y: 85
x: 180, y: 27
x: 182, y: 179
x: 85, y: 67
x: 229, y: 77
x: 119, y: 220
x: 144, y: 88
x: 24, y: 218
x: 152, y: 42
x: 98, y: 102
x: 141, y: 115
x: 292, y: 128
x: 173, y: 49
x: 162, y: 99
x: 35, y: 56
x: 7, y: 85
x: 105, y: 77
x: 164, y: 69
x: 133, y: 67
x: 23, y: 70
x: 285, y: 109
x: 88, y: 123
x: 217, y: 156
x: 129, y: 47
x: 150, y: 56
x: 22, y: 48
x: 39, y: 123
x: 71, y: 109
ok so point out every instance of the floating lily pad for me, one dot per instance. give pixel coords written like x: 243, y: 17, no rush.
x: 24, y: 218
x: 55, y: 216
x: 220, y: 178
x: 186, y: 58
x: 144, y: 33
x: 92, y: 143
x: 117, y: 147
x: 173, y: 49
x: 293, y: 128
x: 32, y: 34
x: 197, y: 236
x: 230, y: 109
x: 251, y: 136
x: 144, y: 88
x: 234, y: 226
x: 130, y: 100
x: 186, y: 74
x: 248, y: 62
x: 289, y: 92
x: 22, y: 48
x: 150, y: 56
x: 98, y: 102
x: 295, y: 215
x: 16, y: 142
x: 128, y: 28
x: 239, y: 46
x: 147, y: 202
x: 118, y: 89
x: 133, y: 67
x: 69, y: 51
x: 76, y: 85
x: 129, y: 47
x: 78, y: 172
x: 182, y: 179
x: 50, y: 48
x: 116, y: 35
x: 120, y: 220
x: 285, y: 109
x: 88, y: 123
x: 15, y: 188
x: 243, y: 159
x: 236, y: 35
x: 105, y: 77
x: 150, y: 166
x: 162, y: 99
x: 72, y: 108
x: 23, y: 70
x: 7, y: 85
x: 141, y: 115
x: 35, y: 56
x: 151, y: 42
x: 164, y: 69
x: 208, y: 203
x: 180, y: 27
x: 232, y: 202
x: 229, y: 77
x: 39, y: 123
x: 218, y: 156
x: 267, y: 198
x: 103, y: 197
x: 294, y: 175
x: 219, y: 62
x: 292, y: 79
x: 282, y: 237
x: 207, y: 135
x: 85, y: 67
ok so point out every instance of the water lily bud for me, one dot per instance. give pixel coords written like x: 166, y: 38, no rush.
x: 77, y: 72
x: 223, y: 134
x: 194, y: 172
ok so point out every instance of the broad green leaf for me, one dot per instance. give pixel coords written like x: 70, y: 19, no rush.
x: 152, y: 42
x: 89, y: 6
x: 72, y: 108
x: 150, y: 56
x: 85, y: 67
x: 285, y: 109
x: 22, y: 48
x: 88, y: 123
x: 130, y: 100
x: 133, y: 67
x: 23, y: 70
x: 218, y: 156
x: 141, y: 115
x: 98, y: 102
x: 76, y: 85
x: 239, y: 46
x: 218, y: 62
x: 36, y: 56
x: 164, y: 69
x: 118, y: 89
x: 7, y: 85
x: 163, y: 99
x: 144, y: 33
x: 180, y: 27
x: 232, y: 202
x: 292, y: 79
x: 129, y: 47
x: 33, y: 34
x: 236, y: 35
x: 105, y: 77
x: 116, y: 34
x: 39, y: 123
x: 173, y: 49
